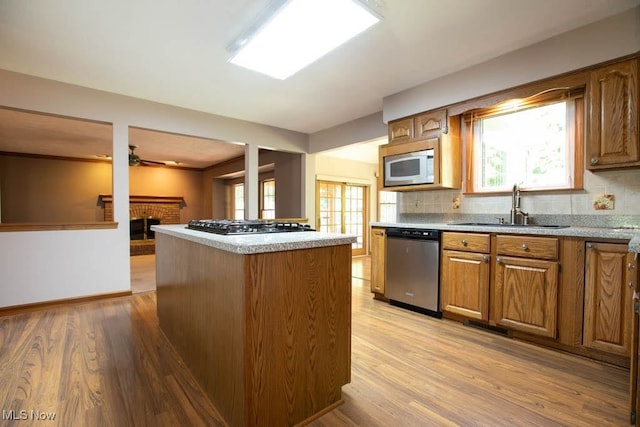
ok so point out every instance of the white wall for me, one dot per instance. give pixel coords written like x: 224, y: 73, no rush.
x: 359, y: 130
x: 610, y: 38
x: 38, y: 266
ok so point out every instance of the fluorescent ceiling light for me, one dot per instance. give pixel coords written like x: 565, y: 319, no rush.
x: 299, y: 33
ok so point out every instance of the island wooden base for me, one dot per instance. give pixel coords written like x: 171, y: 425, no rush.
x: 268, y: 335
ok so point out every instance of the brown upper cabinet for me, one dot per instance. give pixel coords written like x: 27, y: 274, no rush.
x: 425, y: 131
x: 423, y: 126
x: 430, y: 124
x: 613, y: 116
x: 401, y: 130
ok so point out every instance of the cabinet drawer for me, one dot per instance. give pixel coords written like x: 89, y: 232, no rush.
x: 466, y: 242
x: 528, y: 247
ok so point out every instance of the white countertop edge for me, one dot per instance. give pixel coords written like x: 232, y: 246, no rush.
x: 257, y: 243
x: 631, y: 234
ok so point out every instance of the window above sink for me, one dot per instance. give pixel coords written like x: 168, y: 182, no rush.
x: 531, y: 141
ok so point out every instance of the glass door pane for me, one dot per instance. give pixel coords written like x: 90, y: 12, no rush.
x: 354, y: 215
x: 342, y: 209
x: 330, y: 207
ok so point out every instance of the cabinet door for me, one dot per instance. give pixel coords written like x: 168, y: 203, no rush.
x: 378, y: 259
x: 608, y: 306
x: 464, y: 284
x: 401, y: 130
x: 527, y: 295
x: 430, y: 124
x: 613, y: 118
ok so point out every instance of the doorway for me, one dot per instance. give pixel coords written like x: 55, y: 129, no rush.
x: 342, y: 208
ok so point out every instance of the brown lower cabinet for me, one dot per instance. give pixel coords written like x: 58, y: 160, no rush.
x: 378, y: 261
x: 563, y: 292
x: 527, y: 295
x: 465, y: 275
x: 526, y: 284
x: 610, y: 279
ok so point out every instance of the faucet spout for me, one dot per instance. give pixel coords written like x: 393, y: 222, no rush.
x: 515, y: 206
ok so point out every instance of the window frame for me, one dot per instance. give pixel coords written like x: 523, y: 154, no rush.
x: 548, y: 96
x: 234, y: 201
x: 263, y: 196
x: 382, y: 203
x: 230, y: 202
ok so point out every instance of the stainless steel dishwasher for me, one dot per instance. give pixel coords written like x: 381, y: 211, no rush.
x: 413, y: 269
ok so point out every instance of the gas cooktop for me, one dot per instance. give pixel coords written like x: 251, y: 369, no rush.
x: 227, y: 226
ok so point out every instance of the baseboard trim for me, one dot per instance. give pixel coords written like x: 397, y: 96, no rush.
x: 486, y: 327
x: 26, y: 308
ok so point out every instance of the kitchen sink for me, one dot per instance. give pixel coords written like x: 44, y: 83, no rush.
x: 495, y: 224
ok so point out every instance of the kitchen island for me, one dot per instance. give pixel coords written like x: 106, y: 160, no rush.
x: 263, y: 322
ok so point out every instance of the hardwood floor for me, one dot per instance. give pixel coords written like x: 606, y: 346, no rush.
x: 107, y: 363
x: 143, y: 273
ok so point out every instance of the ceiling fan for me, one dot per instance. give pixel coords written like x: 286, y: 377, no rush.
x: 135, y: 160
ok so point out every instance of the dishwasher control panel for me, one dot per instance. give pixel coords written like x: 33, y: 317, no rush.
x: 413, y: 233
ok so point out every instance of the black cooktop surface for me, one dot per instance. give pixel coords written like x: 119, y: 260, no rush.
x: 228, y: 226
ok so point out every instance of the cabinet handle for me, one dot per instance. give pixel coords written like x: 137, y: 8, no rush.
x: 594, y: 160
x: 589, y: 245
x: 524, y: 247
x: 499, y: 260
x: 485, y: 258
x: 379, y: 233
x: 631, y: 285
x: 632, y: 266
x: 464, y: 242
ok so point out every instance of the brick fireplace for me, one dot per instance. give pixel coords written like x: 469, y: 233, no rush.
x: 145, y: 211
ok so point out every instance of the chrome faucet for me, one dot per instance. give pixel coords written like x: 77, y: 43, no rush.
x: 515, y: 207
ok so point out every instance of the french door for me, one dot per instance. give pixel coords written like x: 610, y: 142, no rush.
x: 342, y: 208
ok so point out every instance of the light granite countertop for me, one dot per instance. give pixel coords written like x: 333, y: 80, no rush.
x: 257, y: 243
x: 631, y: 234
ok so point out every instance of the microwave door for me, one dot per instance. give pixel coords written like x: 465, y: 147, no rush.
x: 403, y: 170
x: 409, y: 168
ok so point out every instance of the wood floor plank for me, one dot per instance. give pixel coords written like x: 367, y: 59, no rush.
x: 107, y: 363
x: 415, y: 370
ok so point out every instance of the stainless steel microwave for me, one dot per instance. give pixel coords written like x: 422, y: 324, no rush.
x: 413, y: 168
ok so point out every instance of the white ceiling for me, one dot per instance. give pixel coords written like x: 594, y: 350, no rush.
x: 174, y: 52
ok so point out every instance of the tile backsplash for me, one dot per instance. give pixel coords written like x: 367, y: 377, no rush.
x: 623, y: 185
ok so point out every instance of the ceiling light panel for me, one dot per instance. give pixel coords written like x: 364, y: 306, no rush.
x: 300, y: 32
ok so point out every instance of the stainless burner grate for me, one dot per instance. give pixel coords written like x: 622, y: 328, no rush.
x: 226, y: 226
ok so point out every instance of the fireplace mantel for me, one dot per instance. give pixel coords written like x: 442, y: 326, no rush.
x: 145, y: 199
